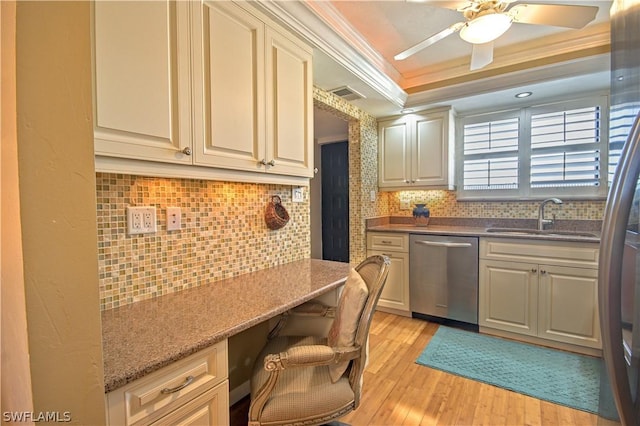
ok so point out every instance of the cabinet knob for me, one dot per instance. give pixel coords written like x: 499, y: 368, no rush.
x: 271, y: 163
x: 542, y: 271
x: 533, y: 270
x: 406, y: 181
x: 186, y: 151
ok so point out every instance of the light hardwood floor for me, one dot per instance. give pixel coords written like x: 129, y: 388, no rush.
x: 397, y: 391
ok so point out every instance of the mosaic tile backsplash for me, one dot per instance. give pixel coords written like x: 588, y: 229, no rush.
x: 444, y: 204
x: 223, y: 234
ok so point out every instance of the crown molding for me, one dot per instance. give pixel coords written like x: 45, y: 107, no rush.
x: 568, y: 45
x: 322, y: 26
x: 508, y: 77
x: 561, y: 55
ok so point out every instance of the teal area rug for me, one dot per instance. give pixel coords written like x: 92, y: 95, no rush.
x: 556, y: 376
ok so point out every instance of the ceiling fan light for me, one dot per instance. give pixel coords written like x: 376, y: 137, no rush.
x: 485, y: 28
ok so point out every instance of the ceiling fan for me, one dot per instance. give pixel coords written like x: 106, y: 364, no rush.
x: 486, y: 20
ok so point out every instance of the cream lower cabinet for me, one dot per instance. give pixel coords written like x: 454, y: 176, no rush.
x: 191, y: 391
x: 213, y: 85
x: 540, y: 289
x: 395, y: 294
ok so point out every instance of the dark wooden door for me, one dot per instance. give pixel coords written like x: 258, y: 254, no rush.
x: 335, y: 201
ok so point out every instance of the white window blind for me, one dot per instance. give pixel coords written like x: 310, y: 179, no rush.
x: 621, y: 121
x: 565, y: 148
x: 557, y: 149
x: 489, y: 149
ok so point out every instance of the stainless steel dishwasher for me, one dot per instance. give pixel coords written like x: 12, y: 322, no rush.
x: 443, y: 277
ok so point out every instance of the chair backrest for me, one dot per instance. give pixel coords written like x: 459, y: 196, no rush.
x: 374, y: 271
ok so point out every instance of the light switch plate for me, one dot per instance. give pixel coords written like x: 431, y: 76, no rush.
x: 174, y: 219
x: 141, y: 220
x: 297, y: 195
x: 404, y: 202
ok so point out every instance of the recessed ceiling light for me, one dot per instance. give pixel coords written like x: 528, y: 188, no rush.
x: 524, y: 95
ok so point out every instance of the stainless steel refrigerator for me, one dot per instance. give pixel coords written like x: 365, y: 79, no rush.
x: 619, y: 273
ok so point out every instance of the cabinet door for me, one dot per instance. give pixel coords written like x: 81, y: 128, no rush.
x: 141, y: 80
x: 508, y: 296
x: 430, y: 163
x: 394, y: 153
x: 568, y: 305
x: 289, y: 109
x: 228, y: 67
x: 395, y: 294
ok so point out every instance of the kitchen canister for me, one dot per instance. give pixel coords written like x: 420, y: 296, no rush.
x: 421, y: 215
x: 276, y: 216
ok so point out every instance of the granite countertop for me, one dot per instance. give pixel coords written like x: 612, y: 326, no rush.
x: 145, y: 336
x: 568, y: 230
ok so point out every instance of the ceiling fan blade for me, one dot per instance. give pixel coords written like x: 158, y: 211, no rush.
x: 428, y: 42
x: 481, y: 55
x: 558, y: 15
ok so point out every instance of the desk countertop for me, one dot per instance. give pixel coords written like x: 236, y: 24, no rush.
x: 145, y: 336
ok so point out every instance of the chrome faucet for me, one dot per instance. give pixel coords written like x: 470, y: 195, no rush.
x: 541, y: 220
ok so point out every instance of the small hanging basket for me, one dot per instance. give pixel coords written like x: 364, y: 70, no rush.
x: 276, y: 215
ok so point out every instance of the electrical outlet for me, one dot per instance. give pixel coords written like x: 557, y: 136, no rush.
x: 141, y: 220
x: 174, y: 219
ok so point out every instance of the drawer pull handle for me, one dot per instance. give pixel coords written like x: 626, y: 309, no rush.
x: 386, y: 242
x: 443, y: 244
x: 186, y: 383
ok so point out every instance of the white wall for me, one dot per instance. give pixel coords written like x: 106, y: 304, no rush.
x: 58, y: 208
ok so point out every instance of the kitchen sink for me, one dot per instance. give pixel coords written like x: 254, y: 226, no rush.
x: 523, y: 231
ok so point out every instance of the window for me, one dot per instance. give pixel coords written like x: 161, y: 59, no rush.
x: 535, y: 152
x: 622, y: 116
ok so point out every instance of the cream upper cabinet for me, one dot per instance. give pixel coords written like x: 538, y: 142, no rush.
x: 416, y: 151
x: 229, y: 86
x: 289, y: 107
x: 541, y: 289
x: 254, y: 86
x: 214, y: 85
x: 141, y: 80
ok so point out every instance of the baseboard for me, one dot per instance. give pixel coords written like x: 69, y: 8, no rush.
x: 239, y: 392
x: 394, y: 311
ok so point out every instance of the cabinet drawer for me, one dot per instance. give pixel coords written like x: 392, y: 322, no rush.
x: 210, y: 408
x: 147, y: 399
x: 387, y: 241
x: 562, y: 253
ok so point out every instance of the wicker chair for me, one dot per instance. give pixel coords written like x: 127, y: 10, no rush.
x: 292, y: 379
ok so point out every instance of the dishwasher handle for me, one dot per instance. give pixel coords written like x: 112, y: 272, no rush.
x: 448, y: 244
